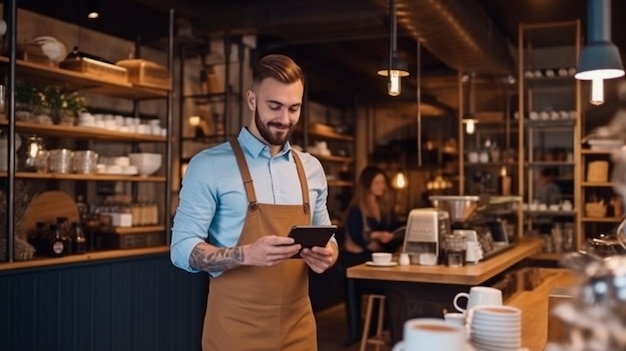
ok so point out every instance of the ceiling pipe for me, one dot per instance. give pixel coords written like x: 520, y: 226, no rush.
x: 458, y: 32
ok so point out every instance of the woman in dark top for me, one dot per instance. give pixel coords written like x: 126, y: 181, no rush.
x: 369, y: 227
x: 369, y: 222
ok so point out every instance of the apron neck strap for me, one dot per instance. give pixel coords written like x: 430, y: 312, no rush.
x: 303, y: 183
x: 245, y: 172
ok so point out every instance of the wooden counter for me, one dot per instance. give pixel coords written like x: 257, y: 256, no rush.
x: 467, y: 275
x: 88, y: 257
x: 534, y: 306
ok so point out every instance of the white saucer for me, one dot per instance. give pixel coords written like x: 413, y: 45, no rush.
x: 389, y: 264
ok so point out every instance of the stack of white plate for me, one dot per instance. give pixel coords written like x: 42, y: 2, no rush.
x: 496, y: 328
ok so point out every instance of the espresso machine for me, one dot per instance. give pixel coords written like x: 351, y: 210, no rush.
x: 474, y: 218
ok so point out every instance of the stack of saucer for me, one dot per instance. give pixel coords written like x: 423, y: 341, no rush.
x: 496, y: 328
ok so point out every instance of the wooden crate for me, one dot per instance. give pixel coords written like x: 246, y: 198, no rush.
x: 146, y: 73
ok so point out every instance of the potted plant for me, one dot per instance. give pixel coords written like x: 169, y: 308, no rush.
x: 27, y: 99
x: 65, y: 104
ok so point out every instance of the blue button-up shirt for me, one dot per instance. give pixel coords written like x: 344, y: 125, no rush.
x: 213, y: 202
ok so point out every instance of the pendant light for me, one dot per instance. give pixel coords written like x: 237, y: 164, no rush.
x: 92, y: 9
x: 600, y: 58
x: 394, y: 68
x: 469, y: 119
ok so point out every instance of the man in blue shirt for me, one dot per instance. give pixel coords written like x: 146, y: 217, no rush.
x: 237, y: 203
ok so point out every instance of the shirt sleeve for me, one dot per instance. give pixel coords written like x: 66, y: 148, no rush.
x: 196, y: 209
x: 320, y: 214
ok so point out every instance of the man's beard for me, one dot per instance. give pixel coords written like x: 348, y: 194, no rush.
x: 264, y: 130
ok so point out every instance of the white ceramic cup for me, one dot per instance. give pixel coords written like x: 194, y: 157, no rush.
x: 381, y: 257
x: 427, y: 334
x: 478, y: 296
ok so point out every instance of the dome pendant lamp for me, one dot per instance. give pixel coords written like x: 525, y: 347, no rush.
x: 600, y: 58
x: 394, y: 67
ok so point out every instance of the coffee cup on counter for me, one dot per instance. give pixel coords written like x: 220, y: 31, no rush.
x: 381, y: 257
x: 426, y: 334
x: 478, y: 296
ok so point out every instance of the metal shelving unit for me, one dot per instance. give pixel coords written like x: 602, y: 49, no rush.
x: 95, y: 85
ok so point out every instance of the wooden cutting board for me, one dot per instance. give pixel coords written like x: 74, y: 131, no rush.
x: 46, y: 207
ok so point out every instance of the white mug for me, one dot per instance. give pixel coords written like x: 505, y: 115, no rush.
x: 479, y: 296
x: 473, y: 252
x: 427, y: 334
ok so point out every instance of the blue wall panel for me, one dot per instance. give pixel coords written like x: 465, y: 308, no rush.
x: 127, y: 305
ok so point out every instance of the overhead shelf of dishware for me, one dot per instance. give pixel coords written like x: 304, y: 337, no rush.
x: 86, y: 177
x: 78, y: 132
x: 84, y: 82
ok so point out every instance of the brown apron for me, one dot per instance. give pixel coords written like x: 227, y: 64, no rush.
x: 263, y: 308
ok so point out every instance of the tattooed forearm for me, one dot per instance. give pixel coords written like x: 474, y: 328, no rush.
x: 208, y: 259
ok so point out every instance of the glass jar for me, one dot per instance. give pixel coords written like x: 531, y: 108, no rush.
x: 32, y: 147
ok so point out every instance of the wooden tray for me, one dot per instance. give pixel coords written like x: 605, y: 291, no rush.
x: 96, y: 68
x: 46, y: 207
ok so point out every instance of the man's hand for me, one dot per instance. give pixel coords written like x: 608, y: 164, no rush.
x: 320, y: 258
x: 270, y: 250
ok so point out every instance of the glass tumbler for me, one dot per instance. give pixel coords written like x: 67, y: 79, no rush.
x: 454, y: 247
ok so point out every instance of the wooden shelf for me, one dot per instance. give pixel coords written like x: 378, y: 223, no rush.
x: 340, y: 183
x: 139, y: 230
x: 86, y: 177
x: 77, y: 132
x: 548, y: 163
x: 330, y: 135
x: 550, y: 213
x: 84, y: 82
x: 550, y: 123
x: 598, y: 184
x: 490, y: 164
x: 333, y: 158
x: 602, y: 219
x: 596, y: 152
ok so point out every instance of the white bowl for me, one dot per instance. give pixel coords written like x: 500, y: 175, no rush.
x: 146, y: 163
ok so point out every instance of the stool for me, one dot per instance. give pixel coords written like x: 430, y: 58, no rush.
x: 379, y: 339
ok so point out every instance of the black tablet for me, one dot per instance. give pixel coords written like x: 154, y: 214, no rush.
x: 312, y: 235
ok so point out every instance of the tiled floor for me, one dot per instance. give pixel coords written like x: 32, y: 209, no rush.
x: 332, y: 331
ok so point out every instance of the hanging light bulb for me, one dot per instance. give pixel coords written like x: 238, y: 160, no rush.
x: 393, y: 67
x: 470, y: 126
x: 92, y: 9
x: 399, y: 180
x: 394, y: 83
x: 597, y: 91
x: 468, y: 115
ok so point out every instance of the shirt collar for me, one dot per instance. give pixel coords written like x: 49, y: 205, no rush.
x: 257, y: 148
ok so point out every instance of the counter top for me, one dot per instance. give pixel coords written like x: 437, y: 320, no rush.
x: 88, y: 257
x: 473, y: 274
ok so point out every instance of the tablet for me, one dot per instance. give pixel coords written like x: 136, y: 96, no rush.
x: 312, y: 235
